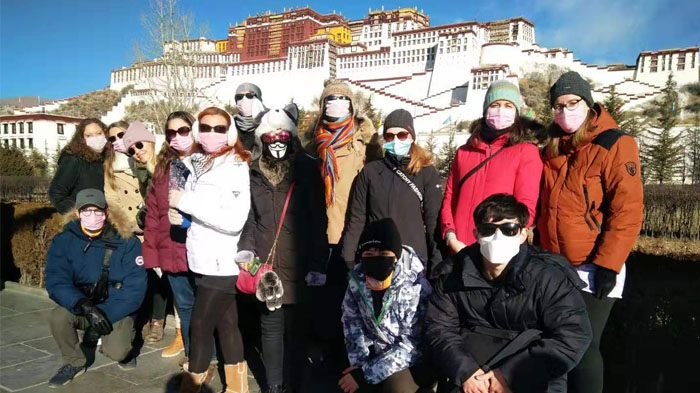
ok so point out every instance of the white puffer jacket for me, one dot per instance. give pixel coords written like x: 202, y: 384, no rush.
x: 218, y: 201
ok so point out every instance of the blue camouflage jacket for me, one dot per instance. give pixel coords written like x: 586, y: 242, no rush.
x: 385, y: 345
x: 73, y: 259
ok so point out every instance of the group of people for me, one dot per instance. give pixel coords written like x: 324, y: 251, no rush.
x: 357, y: 263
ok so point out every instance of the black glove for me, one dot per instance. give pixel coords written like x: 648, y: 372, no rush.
x: 90, y: 337
x: 605, y: 280
x: 359, y: 378
x: 97, y: 319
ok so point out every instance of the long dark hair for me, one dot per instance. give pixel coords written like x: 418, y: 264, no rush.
x: 166, y: 155
x: 79, y: 147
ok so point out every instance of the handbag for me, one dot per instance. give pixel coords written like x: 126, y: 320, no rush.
x: 247, y: 282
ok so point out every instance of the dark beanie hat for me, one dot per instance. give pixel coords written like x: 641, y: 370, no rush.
x: 571, y: 83
x: 400, y: 118
x: 383, y: 235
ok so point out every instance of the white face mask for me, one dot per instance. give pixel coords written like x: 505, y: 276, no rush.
x: 499, y: 248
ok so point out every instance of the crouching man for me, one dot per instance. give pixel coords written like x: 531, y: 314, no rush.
x: 382, y: 315
x: 95, y: 273
x: 505, y: 316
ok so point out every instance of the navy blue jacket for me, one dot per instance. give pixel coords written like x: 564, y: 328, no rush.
x: 71, y: 262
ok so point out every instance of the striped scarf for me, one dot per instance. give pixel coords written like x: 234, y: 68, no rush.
x: 331, y: 136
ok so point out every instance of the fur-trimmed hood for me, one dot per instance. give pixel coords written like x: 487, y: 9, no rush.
x: 534, y: 131
x: 115, y: 219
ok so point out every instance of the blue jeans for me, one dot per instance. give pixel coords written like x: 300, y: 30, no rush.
x: 182, y: 285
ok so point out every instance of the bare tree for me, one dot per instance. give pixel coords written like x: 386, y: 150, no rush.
x: 171, y: 74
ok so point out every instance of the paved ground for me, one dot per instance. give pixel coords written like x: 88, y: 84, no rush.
x: 29, y: 356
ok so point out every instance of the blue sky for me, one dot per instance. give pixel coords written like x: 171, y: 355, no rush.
x: 61, y: 48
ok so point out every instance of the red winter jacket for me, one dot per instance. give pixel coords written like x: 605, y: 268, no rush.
x: 516, y: 170
x: 163, y: 244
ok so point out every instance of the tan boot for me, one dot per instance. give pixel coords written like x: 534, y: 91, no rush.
x: 175, y: 347
x: 156, y: 333
x: 191, y: 382
x: 236, y: 378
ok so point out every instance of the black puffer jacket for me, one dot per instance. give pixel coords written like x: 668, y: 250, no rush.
x: 379, y: 193
x: 537, y: 290
x: 303, y: 244
x: 74, y: 173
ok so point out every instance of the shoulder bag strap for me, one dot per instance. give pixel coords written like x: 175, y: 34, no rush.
x: 279, y: 226
x: 516, y: 345
x: 406, y: 180
x: 476, y: 168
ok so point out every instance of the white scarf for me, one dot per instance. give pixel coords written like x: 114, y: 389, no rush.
x: 123, y: 163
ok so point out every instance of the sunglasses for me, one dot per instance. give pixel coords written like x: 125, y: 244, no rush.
x: 114, y: 138
x: 487, y: 229
x: 401, y: 135
x: 271, y: 137
x: 249, y: 95
x: 131, y: 151
x: 182, y: 131
x: 337, y: 97
x: 207, y: 128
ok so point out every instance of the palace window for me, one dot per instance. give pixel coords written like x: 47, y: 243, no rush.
x: 21, y: 143
x: 59, y: 128
x: 4, y: 128
x: 14, y: 128
x: 21, y: 128
x: 681, y: 62
x: 654, y: 63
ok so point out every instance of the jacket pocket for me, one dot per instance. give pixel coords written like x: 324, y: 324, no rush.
x: 588, y: 216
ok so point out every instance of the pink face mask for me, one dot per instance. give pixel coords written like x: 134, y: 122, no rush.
x: 118, y: 145
x: 181, y: 143
x: 92, y: 222
x: 498, y: 118
x: 212, y: 141
x: 96, y: 143
x: 570, y: 121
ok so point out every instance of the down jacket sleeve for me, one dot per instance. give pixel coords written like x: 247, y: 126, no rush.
x: 214, y: 208
x: 442, y: 328
x: 431, y: 214
x: 153, y: 227
x: 451, y: 192
x: 63, y: 182
x: 404, y: 352
x: 127, y: 299
x: 625, y: 199
x: 59, y: 275
x: 247, y: 240
x: 356, y: 217
x: 566, y: 335
x: 526, y: 188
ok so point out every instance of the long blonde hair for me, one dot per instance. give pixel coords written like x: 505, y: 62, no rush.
x: 420, y: 158
x: 108, y: 164
x: 553, y: 148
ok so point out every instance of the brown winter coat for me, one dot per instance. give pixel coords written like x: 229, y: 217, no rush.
x: 592, y: 197
x: 124, y: 199
x: 351, y: 158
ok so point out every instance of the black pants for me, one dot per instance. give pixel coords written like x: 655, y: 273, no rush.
x: 283, y: 341
x: 417, y: 378
x: 156, y: 300
x: 214, y: 310
x: 587, y: 377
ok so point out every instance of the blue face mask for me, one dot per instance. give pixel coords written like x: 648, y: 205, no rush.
x: 398, y: 148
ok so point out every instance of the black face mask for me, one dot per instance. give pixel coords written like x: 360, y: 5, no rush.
x: 379, y: 268
x: 277, y: 150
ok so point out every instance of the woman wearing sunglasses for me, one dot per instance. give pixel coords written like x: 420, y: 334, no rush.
x: 591, y: 207
x: 216, y: 196
x: 499, y: 157
x: 121, y: 184
x: 301, y: 249
x: 166, y: 228
x: 80, y: 165
x: 249, y: 104
x: 404, y: 186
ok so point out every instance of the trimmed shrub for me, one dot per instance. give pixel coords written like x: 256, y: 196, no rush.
x: 672, y: 211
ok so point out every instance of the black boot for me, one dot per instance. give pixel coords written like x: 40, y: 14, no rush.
x: 276, y: 389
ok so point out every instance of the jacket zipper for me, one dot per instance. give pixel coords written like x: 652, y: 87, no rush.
x: 585, y: 215
x: 590, y: 213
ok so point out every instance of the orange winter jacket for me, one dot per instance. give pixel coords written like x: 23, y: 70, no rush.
x: 592, y: 201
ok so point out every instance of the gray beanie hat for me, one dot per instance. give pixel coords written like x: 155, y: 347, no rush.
x: 249, y: 87
x: 400, y: 118
x: 571, y: 83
